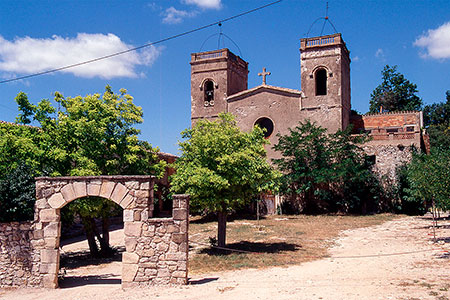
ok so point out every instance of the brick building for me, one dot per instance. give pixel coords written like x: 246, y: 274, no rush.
x: 219, y: 83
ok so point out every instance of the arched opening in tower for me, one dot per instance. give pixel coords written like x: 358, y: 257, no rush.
x: 321, y: 82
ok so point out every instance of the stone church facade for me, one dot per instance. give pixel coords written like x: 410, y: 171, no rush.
x: 219, y: 84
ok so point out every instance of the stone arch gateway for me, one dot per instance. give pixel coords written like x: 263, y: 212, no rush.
x: 156, y: 248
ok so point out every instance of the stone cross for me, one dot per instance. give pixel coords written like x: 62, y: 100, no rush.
x: 264, y: 74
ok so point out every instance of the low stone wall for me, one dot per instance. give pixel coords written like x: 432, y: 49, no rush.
x: 157, y: 249
x: 19, y: 263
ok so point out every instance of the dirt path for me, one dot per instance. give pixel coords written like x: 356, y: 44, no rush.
x: 361, y: 267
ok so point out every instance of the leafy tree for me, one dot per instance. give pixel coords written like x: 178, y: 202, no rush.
x: 222, y: 168
x: 92, y: 135
x: 325, y: 172
x: 437, y: 122
x: 17, y: 194
x: 429, y: 178
x: 395, y: 93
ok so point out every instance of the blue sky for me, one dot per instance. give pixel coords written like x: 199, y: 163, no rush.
x: 40, y: 35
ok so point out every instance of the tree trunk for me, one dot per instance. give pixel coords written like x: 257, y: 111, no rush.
x: 222, y: 228
x: 105, y: 229
x: 105, y: 250
x: 90, y: 235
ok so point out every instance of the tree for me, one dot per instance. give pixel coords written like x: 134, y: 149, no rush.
x: 92, y: 135
x: 222, y: 168
x: 395, y: 93
x: 325, y: 172
x: 429, y: 178
x: 436, y: 119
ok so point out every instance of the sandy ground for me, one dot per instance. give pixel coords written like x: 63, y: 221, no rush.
x: 395, y: 260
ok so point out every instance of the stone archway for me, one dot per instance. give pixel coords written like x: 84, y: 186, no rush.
x: 156, y: 249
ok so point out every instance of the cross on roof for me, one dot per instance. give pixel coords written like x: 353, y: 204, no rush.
x: 264, y: 74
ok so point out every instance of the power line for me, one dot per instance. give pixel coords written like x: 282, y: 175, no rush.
x: 143, y: 46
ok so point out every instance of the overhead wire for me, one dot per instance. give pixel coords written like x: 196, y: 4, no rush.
x: 142, y: 46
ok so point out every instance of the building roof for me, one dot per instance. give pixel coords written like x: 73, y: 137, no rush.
x: 264, y: 88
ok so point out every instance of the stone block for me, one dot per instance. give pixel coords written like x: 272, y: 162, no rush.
x: 182, y: 265
x: 144, y: 215
x: 128, y: 215
x: 48, y: 268
x: 127, y: 202
x: 130, y: 243
x: 41, y: 203
x: 163, y: 273
x: 151, y: 272
x: 51, y: 242
x: 183, y: 247
x: 179, y: 237
x: 137, y: 215
x: 80, y: 189
x: 93, y: 189
x: 130, y: 258
x: 162, y: 247
x: 68, y: 192
x: 141, y: 194
x: 132, y: 184
x: 173, y: 228
x: 129, y: 272
x: 148, y: 252
x: 50, y: 256
x: 176, y: 256
x: 133, y: 229
x: 119, y: 193
x: 145, y: 185
x: 48, y: 215
x: 56, y: 201
x: 50, y: 281
x: 106, y: 189
x: 179, y: 274
x: 38, y: 234
x: 179, y: 214
x: 51, y: 230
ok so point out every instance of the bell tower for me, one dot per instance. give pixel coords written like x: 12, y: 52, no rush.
x: 215, y: 75
x: 325, y: 80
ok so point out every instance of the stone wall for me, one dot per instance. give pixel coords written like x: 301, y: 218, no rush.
x: 19, y: 263
x: 157, y: 249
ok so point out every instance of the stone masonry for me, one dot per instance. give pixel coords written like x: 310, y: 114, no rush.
x: 156, y: 249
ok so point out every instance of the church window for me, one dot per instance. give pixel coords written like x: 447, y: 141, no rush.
x: 321, y: 82
x: 209, y: 93
x: 265, y: 124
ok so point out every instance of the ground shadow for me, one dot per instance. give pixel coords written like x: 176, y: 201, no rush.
x: 202, y: 281
x: 73, y: 260
x: 213, y: 218
x: 257, y: 247
x: 80, y: 235
x: 74, y: 281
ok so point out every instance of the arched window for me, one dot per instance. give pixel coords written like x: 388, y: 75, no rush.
x: 267, y: 124
x: 208, y: 89
x: 321, y: 82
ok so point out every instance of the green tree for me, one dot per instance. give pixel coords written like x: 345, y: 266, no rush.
x: 222, y: 168
x: 429, y: 178
x: 395, y: 93
x: 325, y: 172
x: 92, y: 135
x: 436, y: 119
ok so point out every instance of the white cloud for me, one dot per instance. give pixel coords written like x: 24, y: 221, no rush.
x: 175, y: 16
x: 356, y: 58
x: 380, y: 54
x: 207, y: 4
x: 29, y: 55
x: 436, y: 42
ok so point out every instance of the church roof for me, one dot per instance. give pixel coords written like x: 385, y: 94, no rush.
x: 265, y: 88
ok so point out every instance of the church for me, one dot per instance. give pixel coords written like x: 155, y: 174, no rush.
x: 219, y: 83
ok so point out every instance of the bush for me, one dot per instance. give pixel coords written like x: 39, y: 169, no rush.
x: 17, y: 194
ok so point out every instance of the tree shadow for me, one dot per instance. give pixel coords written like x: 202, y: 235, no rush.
x: 201, y: 281
x: 257, y: 247
x: 74, y: 260
x: 74, y: 281
x: 230, y: 218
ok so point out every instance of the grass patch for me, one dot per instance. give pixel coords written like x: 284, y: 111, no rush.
x: 273, y: 241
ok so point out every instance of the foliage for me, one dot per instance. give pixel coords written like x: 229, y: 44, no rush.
x: 92, y: 135
x: 325, y: 172
x: 221, y: 167
x: 395, y: 93
x: 429, y: 178
x: 405, y: 203
x: 437, y: 122
x: 17, y: 194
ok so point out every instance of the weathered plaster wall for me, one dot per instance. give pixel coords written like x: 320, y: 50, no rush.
x: 19, y: 262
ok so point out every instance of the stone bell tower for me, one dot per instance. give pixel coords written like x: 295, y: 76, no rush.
x: 325, y: 76
x: 215, y: 75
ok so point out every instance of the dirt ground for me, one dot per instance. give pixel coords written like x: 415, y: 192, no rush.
x: 395, y: 260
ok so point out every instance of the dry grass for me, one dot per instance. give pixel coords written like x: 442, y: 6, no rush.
x: 274, y: 241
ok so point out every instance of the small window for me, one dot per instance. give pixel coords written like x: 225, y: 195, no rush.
x: 266, y: 124
x: 321, y: 82
x: 391, y: 130
x: 209, y: 93
x: 410, y: 128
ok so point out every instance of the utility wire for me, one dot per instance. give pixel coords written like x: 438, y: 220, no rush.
x: 143, y: 46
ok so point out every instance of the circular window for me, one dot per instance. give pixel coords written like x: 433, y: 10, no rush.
x: 267, y: 124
